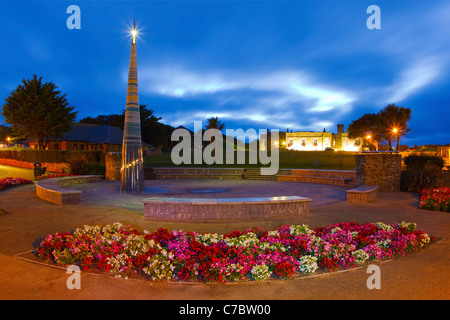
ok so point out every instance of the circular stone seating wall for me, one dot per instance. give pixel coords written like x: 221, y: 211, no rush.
x: 53, y: 190
x: 224, y: 208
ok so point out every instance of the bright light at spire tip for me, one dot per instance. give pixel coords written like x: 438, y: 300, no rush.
x: 134, y: 34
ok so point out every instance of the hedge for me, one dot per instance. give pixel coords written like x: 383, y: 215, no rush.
x: 51, y: 156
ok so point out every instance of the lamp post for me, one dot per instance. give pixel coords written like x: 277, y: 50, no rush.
x: 396, y: 136
x: 368, y: 139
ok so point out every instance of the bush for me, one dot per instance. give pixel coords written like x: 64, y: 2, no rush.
x: 419, y: 162
x: 421, y: 172
x: 28, y: 155
x: 96, y: 168
x: 78, y: 163
x: 52, y: 156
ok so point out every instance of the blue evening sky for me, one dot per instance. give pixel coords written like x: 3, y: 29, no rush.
x: 301, y: 64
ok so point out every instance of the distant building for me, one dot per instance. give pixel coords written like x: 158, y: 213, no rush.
x: 316, y: 141
x: 85, y: 136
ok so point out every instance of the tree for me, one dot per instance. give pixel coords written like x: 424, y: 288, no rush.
x: 388, y: 124
x: 394, y: 123
x: 152, y: 131
x: 367, y: 127
x: 114, y: 120
x: 215, y: 123
x: 39, y: 111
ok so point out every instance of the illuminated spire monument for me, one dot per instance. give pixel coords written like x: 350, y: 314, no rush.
x: 132, y: 170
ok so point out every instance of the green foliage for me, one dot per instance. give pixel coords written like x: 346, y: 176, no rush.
x: 215, y: 123
x: 4, y: 132
x: 39, y: 111
x: 418, y: 162
x: 152, y: 131
x: 78, y: 163
x: 421, y: 172
x: 81, y: 162
x: 380, y: 126
x: 28, y: 155
x: 95, y: 168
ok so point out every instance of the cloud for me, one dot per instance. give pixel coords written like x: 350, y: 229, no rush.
x: 413, y: 78
x: 285, y: 98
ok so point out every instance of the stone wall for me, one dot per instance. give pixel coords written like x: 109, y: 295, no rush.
x: 444, y: 152
x: 224, y: 208
x: 379, y: 169
x: 113, y: 163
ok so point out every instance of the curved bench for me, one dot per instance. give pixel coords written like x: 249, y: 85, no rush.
x: 224, y: 208
x: 53, y: 190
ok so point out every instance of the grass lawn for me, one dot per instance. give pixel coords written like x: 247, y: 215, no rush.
x: 288, y: 160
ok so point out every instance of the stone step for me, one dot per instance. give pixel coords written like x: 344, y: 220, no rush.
x: 260, y: 177
x: 320, y: 180
x: 345, y: 174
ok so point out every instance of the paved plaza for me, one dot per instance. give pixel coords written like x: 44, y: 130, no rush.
x: 25, y: 219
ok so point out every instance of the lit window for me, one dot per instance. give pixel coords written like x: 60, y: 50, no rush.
x: 291, y: 142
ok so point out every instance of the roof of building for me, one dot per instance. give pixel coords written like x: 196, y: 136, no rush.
x: 92, y: 133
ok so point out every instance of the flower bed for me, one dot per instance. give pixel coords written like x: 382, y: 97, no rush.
x: 254, y: 254
x: 9, y: 182
x: 436, y: 199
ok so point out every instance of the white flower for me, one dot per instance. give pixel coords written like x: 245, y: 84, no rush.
x: 360, y: 255
x: 261, y: 272
x: 209, y: 238
x: 334, y: 230
x: 384, y: 243
x: 299, y: 229
x: 383, y: 226
x: 308, y: 264
x: 244, y: 240
x: 410, y: 226
x: 273, y: 233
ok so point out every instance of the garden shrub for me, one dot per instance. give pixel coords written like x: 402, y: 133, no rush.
x: 52, y: 156
x: 78, y: 163
x: 421, y: 172
x: 95, y: 168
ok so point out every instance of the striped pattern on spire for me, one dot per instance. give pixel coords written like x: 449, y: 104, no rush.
x: 132, y: 170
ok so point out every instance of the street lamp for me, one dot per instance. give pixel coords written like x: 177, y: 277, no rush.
x: 395, y: 131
